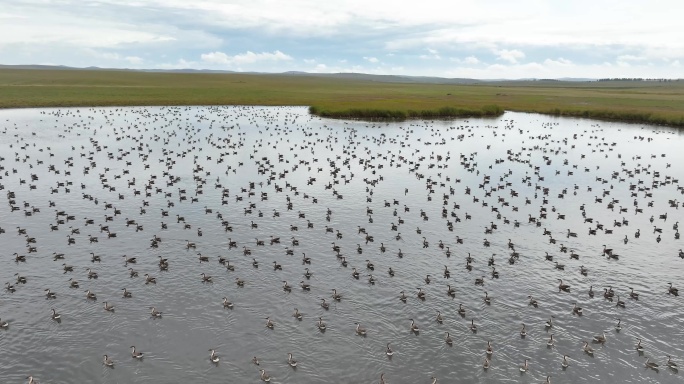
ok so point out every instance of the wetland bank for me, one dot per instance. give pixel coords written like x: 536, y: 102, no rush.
x: 272, y: 197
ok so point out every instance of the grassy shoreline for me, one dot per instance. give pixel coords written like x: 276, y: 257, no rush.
x: 347, y: 98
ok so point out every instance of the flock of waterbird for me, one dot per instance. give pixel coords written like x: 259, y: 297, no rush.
x: 134, y: 176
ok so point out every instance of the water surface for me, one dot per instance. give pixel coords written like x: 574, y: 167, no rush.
x: 224, y: 167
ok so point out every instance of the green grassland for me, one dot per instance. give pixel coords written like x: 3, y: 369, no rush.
x: 643, y: 102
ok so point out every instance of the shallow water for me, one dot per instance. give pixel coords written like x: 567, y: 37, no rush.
x: 348, y: 167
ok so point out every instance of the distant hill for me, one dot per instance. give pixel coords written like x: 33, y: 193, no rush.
x: 350, y: 75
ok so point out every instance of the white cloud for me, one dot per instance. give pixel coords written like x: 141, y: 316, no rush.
x: 371, y: 59
x: 558, y: 62
x: 510, y: 55
x: 630, y: 58
x: 134, y: 59
x: 248, y: 57
x: 470, y: 60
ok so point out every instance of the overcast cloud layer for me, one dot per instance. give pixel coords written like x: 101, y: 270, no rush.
x: 458, y: 38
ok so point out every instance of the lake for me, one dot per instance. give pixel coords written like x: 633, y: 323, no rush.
x: 246, y: 186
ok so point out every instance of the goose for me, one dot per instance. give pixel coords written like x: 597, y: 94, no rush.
x: 67, y: 268
x: 213, y: 357
x: 297, y: 315
x: 154, y: 313
x: 563, y: 287
x: 427, y: 279
x: 532, y: 302
x: 108, y: 307
x: 31, y: 380
x: 55, y: 315
x: 382, y: 378
x: 485, y: 365
x: 336, y: 296
x: 359, y: 330
x: 355, y: 273
x: 286, y: 286
x: 583, y: 270
x: 4, y: 324
x: 126, y: 293
x: 390, y: 272
x: 370, y: 265
x: 402, y: 297
x: 202, y: 258
x: 549, y: 323
x: 672, y: 290
x: 263, y: 376
x: 587, y: 349
x: 651, y: 365
x: 548, y: 380
x: 439, y: 317
x: 461, y: 310
x: 106, y: 360
x: 560, y: 266
x: 239, y: 282
x: 149, y: 279
x: 133, y: 273
x: 90, y: 295
x: 388, y: 350
x: 205, y: 278
x: 487, y: 299
x: 450, y: 291
x: 591, y: 291
x: 608, y: 294
x: 434, y: 380
x: 127, y: 259
x: 479, y: 280
x: 305, y: 259
x: 49, y: 294
x: 550, y: 342
x: 638, y: 347
x: 307, y: 274
x: 671, y: 364
x: 291, y: 361
x: 523, y: 332
x: 269, y: 323
x: 324, y: 305
x: 618, y: 327
x: 576, y: 310
x: 255, y: 263
x: 421, y: 294
x: 495, y: 274
x: 305, y: 287
x: 524, y: 367
x: 321, y: 324
x: 226, y: 303
x: 473, y: 328
x: 565, y: 364
x: 135, y: 354
x: 414, y: 326
x: 620, y: 303
x: 600, y: 338
x: 448, y: 339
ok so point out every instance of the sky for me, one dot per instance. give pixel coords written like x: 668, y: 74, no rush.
x: 483, y: 39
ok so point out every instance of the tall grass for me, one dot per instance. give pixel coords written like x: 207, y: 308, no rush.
x: 642, y: 102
